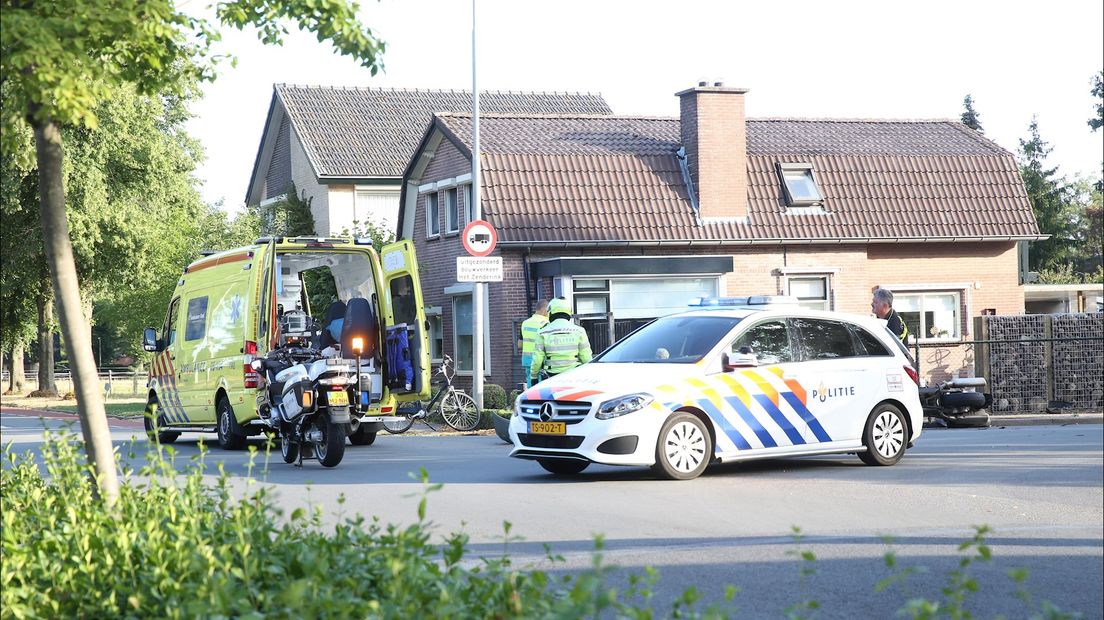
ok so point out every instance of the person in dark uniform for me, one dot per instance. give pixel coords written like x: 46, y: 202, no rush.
x: 882, y: 306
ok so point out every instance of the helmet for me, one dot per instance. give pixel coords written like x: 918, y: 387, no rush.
x: 559, y: 306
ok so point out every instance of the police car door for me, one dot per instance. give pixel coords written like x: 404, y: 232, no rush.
x: 406, y: 343
x: 765, y: 396
x: 840, y: 393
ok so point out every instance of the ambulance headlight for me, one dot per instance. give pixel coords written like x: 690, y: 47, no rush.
x: 621, y: 406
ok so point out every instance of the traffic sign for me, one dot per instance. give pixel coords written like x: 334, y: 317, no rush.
x: 479, y: 238
x: 478, y: 268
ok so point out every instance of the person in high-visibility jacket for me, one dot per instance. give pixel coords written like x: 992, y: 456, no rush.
x: 529, y: 329
x: 561, y: 345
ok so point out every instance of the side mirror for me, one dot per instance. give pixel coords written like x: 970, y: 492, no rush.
x: 744, y: 358
x: 149, y: 339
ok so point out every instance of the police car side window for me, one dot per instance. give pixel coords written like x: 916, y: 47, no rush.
x: 769, y: 341
x: 825, y: 340
x: 869, y: 342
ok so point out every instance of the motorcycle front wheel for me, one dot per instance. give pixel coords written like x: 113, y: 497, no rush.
x: 289, y: 448
x: 331, y: 448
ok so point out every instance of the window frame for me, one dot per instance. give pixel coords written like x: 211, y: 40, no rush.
x: 452, y: 212
x: 486, y: 336
x: 469, y: 205
x: 436, y: 332
x: 789, y: 167
x: 921, y: 333
x: 436, y: 219
x: 825, y: 277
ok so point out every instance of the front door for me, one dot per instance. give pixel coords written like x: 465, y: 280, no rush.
x: 163, y: 369
x: 767, y: 397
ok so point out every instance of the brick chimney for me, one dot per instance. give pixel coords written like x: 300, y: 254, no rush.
x: 714, y: 135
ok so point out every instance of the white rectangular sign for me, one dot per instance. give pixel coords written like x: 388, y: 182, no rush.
x: 472, y: 269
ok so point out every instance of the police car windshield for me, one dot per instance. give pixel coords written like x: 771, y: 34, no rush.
x: 674, y: 340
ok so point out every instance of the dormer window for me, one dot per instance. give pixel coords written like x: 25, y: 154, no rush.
x: 800, y: 185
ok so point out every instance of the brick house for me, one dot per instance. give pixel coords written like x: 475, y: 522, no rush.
x: 635, y: 215
x: 345, y: 148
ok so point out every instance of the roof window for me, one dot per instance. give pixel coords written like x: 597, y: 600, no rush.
x: 800, y: 184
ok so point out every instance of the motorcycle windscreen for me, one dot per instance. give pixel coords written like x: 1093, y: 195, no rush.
x: 406, y: 341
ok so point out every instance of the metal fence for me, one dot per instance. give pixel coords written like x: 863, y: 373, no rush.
x: 114, y: 383
x: 1032, y: 363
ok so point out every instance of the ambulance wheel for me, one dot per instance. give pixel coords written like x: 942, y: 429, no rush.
x: 359, y: 435
x: 884, y: 436
x: 331, y: 449
x: 563, y: 467
x: 154, y: 421
x: 684, y: 448
x: 289, y: 449
x: 230, y: 435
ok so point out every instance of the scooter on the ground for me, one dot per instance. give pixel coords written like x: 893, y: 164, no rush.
x: 306, y: 401
x: 957, y: 403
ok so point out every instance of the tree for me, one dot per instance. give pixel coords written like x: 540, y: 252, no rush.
x: 970, y: 116
x: 60, y: 59
x: 1050, y: 200
x: 1097, y: 121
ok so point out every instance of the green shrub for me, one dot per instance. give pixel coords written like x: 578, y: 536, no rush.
x: 177, y: 546
x: 494, y: 397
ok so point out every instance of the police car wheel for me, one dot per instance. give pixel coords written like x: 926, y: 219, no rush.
x: 563, y: 467
x: 154, y: 421
x: 885, y: 436
x: 230, y: 435
x: 684, y: 448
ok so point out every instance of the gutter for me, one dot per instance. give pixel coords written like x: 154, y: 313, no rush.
x: 614, y: 243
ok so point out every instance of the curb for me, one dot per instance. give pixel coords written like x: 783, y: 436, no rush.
x: 1054, y: 419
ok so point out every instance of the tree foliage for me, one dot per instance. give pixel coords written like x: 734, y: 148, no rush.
x: 970, y: 116
x: 1097, y: 121
x: 1049, y: 199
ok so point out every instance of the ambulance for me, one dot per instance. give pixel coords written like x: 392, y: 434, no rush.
x: 231, y: 307
x: 730, y: 379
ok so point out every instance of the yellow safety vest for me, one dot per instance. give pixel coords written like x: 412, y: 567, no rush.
x: 530, y: 327
x: 559, y: 347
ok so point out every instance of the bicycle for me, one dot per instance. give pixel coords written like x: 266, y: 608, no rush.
x: 454, y: 406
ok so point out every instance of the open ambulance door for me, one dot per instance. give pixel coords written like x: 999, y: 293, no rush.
x: 405, y: 342
x: 267, y: 328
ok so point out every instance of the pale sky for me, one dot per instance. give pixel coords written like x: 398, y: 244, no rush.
x: 870, y: 59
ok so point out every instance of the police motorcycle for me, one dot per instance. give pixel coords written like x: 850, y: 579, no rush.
x: 957, y: 403
x: 308, y: 393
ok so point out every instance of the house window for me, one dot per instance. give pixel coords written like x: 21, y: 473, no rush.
x: 930, y: 315
x: 800, y: 185
x: 590, y: 296
x: 811, y: 291
x: 469, y: 206
x: 452, y: 213
x: 433, y: 216
x: 463, y: 335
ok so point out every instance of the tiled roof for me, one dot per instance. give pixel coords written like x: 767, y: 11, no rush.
x: 372, y: 132
x: 616, y: 179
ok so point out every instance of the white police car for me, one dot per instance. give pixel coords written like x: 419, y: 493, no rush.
x: 733, y: 379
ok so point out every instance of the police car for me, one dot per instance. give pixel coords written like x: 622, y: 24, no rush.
x: 731, y: 379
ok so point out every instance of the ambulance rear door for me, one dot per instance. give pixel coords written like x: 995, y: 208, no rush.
x: 405, y: 341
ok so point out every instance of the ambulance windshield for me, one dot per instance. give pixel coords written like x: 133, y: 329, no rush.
x: 674, y: 340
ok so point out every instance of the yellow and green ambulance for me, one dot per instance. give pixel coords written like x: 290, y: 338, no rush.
x: 227, y: 310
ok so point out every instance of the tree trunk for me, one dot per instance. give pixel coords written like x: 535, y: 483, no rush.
x: 15, y: 384
x: 45, y: 302
x: 74, y: 329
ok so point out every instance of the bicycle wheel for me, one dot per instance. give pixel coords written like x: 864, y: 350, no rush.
x: 459, y: 411
x: 403, y: 425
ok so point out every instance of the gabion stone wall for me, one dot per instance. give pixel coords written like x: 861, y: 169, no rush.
x: 1079, y: 364
x: 1018, y: 372
x: 1025, y: 376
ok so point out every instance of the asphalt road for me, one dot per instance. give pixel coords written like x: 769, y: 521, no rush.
x: 1040, y: 489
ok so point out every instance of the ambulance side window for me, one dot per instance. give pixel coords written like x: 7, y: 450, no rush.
x: 769, y: 341
x: 197, y: 319
x: 170, y: 324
